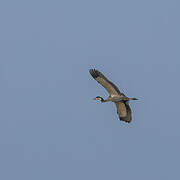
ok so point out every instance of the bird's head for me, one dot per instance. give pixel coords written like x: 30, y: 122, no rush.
x: 98, y: 98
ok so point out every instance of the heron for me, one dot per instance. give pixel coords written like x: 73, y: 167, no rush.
x: 121, y: 101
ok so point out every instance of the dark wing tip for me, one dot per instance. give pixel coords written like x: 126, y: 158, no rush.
x: 94, y: 73
x: 125, y: 119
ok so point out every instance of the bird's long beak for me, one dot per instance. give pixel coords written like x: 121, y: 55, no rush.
x: 94, y: 98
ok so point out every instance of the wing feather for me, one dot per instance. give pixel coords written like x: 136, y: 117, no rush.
x: 124, y: 111
x: 108, y: 85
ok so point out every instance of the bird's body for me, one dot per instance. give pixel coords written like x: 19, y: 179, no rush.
x: 117, y: 98
x: 121, y: 101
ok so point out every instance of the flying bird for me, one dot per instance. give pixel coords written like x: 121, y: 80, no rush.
x: 121, y: 101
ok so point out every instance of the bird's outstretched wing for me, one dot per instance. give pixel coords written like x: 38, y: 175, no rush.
x: 124, y: 111
x: 108, y: 85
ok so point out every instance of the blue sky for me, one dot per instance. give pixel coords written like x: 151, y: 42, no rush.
x: 51, y: 128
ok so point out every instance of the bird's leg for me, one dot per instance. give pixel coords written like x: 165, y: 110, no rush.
x: 133, y: 99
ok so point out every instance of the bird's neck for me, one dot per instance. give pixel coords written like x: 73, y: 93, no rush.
x: 102, y: 100
x: 105, y: 100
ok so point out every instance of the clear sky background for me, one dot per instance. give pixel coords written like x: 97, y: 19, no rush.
x: 50, y: 128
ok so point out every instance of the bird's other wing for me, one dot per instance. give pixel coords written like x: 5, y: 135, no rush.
x: 124, y: 111
x: 108, y: 85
